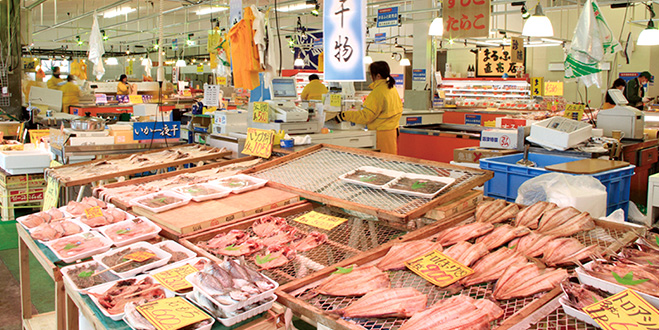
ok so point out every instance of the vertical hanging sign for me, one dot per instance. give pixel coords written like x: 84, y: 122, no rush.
x: 517, y: 50
x: 466, y: 18
x: 344, y: 30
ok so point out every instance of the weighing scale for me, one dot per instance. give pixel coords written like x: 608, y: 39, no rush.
x: 629, y: 120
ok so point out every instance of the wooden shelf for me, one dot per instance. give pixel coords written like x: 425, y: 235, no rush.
x: 44, y: 321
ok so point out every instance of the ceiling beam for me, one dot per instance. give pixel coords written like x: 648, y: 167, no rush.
x: 89, y: 13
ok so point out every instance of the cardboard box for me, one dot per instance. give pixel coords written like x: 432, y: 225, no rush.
x: 122, y: 133
x: 230, y: 117
x: 455, y: 206
x: 475, y: 154
x: 560, y: 133
x: 226, y: 129
x: 23, y: 162
x: 21, y: 181
x: 145, y: 110
x: 499, y: 139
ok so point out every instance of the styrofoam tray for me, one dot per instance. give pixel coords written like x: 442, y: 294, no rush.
x: 393, y: 174
x: 85, y: 254
x: 610, y: 286
x: 258, y: 183
x: 191, y: 262
x: 82, y: 226
x: 128, y: 217
x: 178, y: 248
x: 100, y: 267
x: 264, y: 306
x: 67, y: 216
x: 223, y: 192
x: 100, y: 289
x: 184, y: 200
x: 162, y: 255
x: 577, y: 314
x: 119, y: 225
x: 238, y: 305
x: 446, y: 180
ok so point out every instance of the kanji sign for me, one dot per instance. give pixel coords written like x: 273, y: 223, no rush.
x: 387, y: 17
x: 261, y: 113
x: 517, y: 50
x: 625, y: 310
x: 139, y: 256
x: 174, y: 279
x: 171, y: 313
x: 494, y: 62
x: 158, y: 130
x: 259, y: 142
x: 466, y: 18
x: 93, y: 212
x: 344, y: 28
x: 554, y: 88
x: 574, y: 111
x: 438, y: 268
x: 380, y: 38
x: 537, y: 86
x: 319, y: 220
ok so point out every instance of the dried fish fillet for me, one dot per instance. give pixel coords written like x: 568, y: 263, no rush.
x: 504, y: 214
x: 581, y: 222
x: 563, y: 251
x: 401, y: 252
x: 488, y: 209
x: 457, y: 312
x: 453, y: 235
x: 530, y: 216
x: 556, y: 217
x: 381, y: 303
x: 360, y: 281
x: 523, y: 280
x: 492, y: 266
x: 466, y: 253
x: 531, y: 245
x: 502, y: 235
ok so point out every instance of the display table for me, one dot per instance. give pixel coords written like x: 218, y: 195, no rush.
x: 95, y: 110
x: 64, y: 153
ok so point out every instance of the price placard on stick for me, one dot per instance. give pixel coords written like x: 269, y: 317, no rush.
x: 319, y: 220
x: 259, y: 142
x: 174, y: 279
x: 171, y: 313
x: 261, y: 113
x: 52, y: 194
x: 438, y: 268
x: 139, y: 256
x: 94, y: 212
x: 625, y: 310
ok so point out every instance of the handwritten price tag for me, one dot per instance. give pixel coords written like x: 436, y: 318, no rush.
x: 625, y: 310
x: 319, y: 220
x: 438, y: 268
x: 554, y: 88
x: 94, y: 212
x: 221, y: 81
x: 135, y: 99
x: 261, y: 113
x: 140, y: 256
x: 574, y: 111
x: 259, y: 142
x: 171, y: 313
x: 51, y: 196
x: 174, y: 279
x: 335, y: 100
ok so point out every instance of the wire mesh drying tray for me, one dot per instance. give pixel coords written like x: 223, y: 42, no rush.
x: 344, y: 241
x: 314, y: 173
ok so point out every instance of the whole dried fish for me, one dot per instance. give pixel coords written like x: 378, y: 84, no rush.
x: 505, y: 213
x: 284, y: 235
x: 488, y: 209
x: 381, y: 303
x: 531, y: 245
x: 582, y: 295
x: 640, y: 257
x: 275, y: 256
x: 220, y: 241
x: 268, y: 225
x: 562, y: 251
x: 530, y: 216
x: 580, y: 222
x: 308, y: 242
x: 401, y: 252
x: 645, y: 278
x: 492, y: 266
x: 358, y: 282
x: 502, y: 235
x: 134, y: 318
x: 466, y: 253
x: 525, y: 279
x: 453, y: 235
x: 457, y: 312
x: 556, y: 217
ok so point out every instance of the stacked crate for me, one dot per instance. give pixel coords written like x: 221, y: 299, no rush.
x: 23, y: 191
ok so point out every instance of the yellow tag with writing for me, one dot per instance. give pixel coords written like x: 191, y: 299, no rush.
x: 93, y: 212
x: 438, y: 268
x: 171, y: 313
x: 37, y: 134
x: 335, y: 100
x: 554, y: 88
x: 625, y: 310
x: 490, y: 123
x: 200, y: 68
x: 129, y: 69
x: 221, y: 81
x: 174, y: 279
x: 51, y: 197
x: 319, y: 220
x: 261, y: 113
x: 209, y: 110
x: 574, y: 111
x: 54, y: 163
x: 140, y: 256
x: 135, y: 99
x: 259, y: 142
x: 537, y: 86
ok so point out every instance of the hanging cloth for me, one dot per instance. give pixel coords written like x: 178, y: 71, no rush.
x: 244, y: 54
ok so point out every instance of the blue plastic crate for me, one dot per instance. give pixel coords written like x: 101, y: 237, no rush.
x: 508, y: 176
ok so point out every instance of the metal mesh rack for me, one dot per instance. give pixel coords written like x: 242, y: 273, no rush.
x: 557, y: 320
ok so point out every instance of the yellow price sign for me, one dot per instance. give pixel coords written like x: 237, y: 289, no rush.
x: 129, y: 69
x: 200, y: 68
x: 221, y: 81
x: 140, y: 256
x: 319, y: 220
x: 574, y: 111
x: 94, y: 212
x: 135, y: 99
x: 54, y: 163
x: 51, y: 197
x: 554, y: 88
x: 174, y: 279
x: 438, y: 268
x: 625, y: 310
x: 37, y: 134
x: 537, y: 86
x: 171, y: 313
x: 259, y: 142
x: 335, y: 100
x: 261, y: 113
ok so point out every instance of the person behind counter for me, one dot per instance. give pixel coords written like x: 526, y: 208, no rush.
x: 55, y: 82
x: 608, y: 101
x: 314, y: 90
x: 382, y: 109
x: 70, y: 93
x: 634, y: 91
x: 123, y: 87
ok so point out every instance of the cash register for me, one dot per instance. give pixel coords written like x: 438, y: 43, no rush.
x: 629, y: 120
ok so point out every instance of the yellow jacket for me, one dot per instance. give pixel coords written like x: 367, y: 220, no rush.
x: 122, y: 89
x: 314, y: 91
x: 70, y: 95
x: 381, y: 110
x: 52, y: 83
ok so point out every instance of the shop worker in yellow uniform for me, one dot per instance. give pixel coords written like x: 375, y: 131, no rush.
x: 381, y: 110
x: 314, y: 90
x: 55, y: 82
x: 70, y: 93
x: 123, y: 88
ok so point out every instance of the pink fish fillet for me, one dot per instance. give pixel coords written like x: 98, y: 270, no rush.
x: 381, y: 303
x: 360, y: 281
x: 401, y: 252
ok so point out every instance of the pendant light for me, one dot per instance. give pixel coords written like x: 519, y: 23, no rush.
x: 538, y: 25
x: 649, y: 36
x: 405, y: 62
x: 112, y: 61
x: 298, y: 62
x: 436, y: 27
x: 180, y: 63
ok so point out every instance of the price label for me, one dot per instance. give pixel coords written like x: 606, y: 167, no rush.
x: 129, y: 69
x: 259, y: 142
x: 319, y: 220
x: 51, y: 196
x: 37, y: 134
x: 174, y: 279
x: 93, y: 212
x: 140, y: 256
x: 554, y: 88
x: 438, y: 268
x: 261, y: 113
x: 171, y: 313
x: 625, y: 310
x: 537, y: 85
x: 54, y: 163
x: 574, y: 111
x: 135, y: 99
x: 200, y: 68
x: 221, y: 81
x: 335, y: 100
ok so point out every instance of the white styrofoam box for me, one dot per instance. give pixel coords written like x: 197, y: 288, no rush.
x: 252, y: 183
x: 177, y: 248
x: 391, y: 173
x: 221, y: 191
x: 86, y: 133
x: 24, y: 162
x: 547, y: 133
x: 99, y: 267
x: 91, y: 141
x: 607, y: 286
x: 101, y: 289
x: 345, y: 125
x: 499, y: 138
x: 226, y: 129
x: 145, y: 109
x: 230, y: 117
x: 577, y: 314
x: 442, y: 179
x: 106, y: 244
x: 183, y: 200
x: 591, y: 201
x: 163, y: 258
x: 121, y: 225
x: 262, y: 307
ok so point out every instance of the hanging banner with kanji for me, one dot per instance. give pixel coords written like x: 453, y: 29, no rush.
x: 466, y: 18
x: 494, y: 62
x: 344, y: 31
x: 517, y: 50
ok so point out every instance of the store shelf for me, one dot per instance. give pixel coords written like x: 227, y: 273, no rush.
x: 44, y: 321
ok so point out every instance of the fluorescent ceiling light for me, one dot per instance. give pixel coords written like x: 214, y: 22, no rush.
x: 648, y: 37
x: 112, y: 61
x: 295, y: 7
x: 538, y: 25
x: 436, y: 27
x: 405, y: 62
x: 180, y: 63
x: 210, y: 10
x: 118, y: 11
